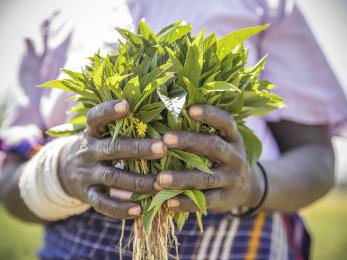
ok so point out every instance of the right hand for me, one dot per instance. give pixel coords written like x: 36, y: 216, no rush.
x: 85, y: 170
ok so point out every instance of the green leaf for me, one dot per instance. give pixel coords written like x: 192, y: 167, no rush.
x: 231, y: 40
x: 146, y: 32
x: 252, y: 144
x: 191, y: 159
x: 217, y: 86
x: 138, y: 196
x: 199, y: 220
x: 65, y: 130
x: 151, y: 87
x: 174, y: 33
x: 149, y: 112
x: 132, y: 90
x: 115, y: 130
x: 55, y: 84
x: 79, y: 119
x: 198, y: 198
x: 193, y: 65
x: 148, y: 218
x: 74, y: 75
x: 163, y: 196
x: 195, y: 96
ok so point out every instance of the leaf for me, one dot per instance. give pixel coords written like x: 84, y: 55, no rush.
x: 195, y: 96
x: 151, y: 87
x: 148, y: 218
x: 193, y: 65
x: 132, y: 90
x: 191, y: 159
x: 209, y: 41
x: 173, y: 104
x: 231, y: 40
x: 55, y: 84
x: 180, y: 218
x: 146, y: 32
x: 252, y: 144
x: 198, y: 219
x: 217, y: 86
x: 79, y: 119
x: 116, y: 129
x: 74, y: 75
x: 65, y: 130
x: 138, y: 196
x: 150, y: 112
x: 174, y: 33
x: 163, y: 196
x: 198, y: 198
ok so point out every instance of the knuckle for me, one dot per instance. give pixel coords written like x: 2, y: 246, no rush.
x: 191, y: 139
x: 210, y: 179
x: 94, y: 113
x: 134, y: 147
x: 108, y: 176
x: 107, y: 147
x: 216, y: 143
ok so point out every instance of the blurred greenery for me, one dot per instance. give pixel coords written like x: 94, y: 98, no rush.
x: 325, y: 219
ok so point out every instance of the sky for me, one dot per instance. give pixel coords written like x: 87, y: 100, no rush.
x: 328, y: 20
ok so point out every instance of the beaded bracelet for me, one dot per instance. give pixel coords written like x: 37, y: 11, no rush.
x: 24, y: 149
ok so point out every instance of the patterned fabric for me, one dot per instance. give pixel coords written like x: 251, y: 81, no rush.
x: 269, y: 235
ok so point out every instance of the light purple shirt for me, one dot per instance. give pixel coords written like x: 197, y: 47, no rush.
x: 295, y: 64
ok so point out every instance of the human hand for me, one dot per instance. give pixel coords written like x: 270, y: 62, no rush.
x: 85, y: 170
x: 233, y: 182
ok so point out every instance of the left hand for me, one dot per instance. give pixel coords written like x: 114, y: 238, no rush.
x: 233, y: 182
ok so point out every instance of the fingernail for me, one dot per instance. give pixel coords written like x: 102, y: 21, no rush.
x: 134, y: 211
x: 195, y: 111
x: 120, y: 194
x: 157, y: 148
x: 165, y: 179
x: 121, y: 107
x: 173, y: 203
x: 170, y: 139
x: 157, y: 186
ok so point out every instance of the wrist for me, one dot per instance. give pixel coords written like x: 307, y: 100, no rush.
x: 61, y: 168
x: 256, y: 187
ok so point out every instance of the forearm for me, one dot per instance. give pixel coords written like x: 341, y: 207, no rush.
x: 299, y: 177
x: 10, y: 195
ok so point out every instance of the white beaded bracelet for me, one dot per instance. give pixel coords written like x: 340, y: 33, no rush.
x: 40, y: 188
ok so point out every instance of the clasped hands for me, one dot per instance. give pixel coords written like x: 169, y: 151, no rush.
x: 85, y: 171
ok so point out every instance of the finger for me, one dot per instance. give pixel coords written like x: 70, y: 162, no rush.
x: 109, y: 206
x: 218, y: 118
x: 120, y: 179
x: 214, y: 201
x: 127, y: 149
x: 195, y: 180
x: 210, y: 146
x: 120, y: 194
x: 102, y: 114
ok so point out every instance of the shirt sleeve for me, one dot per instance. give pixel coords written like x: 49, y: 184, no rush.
x: 297, y: 65
x: 25, y: 122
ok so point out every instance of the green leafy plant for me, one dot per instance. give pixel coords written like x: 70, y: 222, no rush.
x: 161, y: 76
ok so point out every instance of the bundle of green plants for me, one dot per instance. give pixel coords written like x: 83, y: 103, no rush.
x: 161, y: 75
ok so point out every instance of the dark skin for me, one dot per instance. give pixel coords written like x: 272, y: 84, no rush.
x: 296, y: 179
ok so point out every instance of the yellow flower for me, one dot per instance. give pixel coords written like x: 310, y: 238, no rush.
x: 141, y: 129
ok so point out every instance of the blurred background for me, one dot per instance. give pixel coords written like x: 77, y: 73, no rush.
x: 325, y: 219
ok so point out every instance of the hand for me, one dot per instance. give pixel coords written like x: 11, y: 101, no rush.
x: 85, y: 170
x: 233, y: 182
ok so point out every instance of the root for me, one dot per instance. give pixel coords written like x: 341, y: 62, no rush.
x: 156, y: 244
